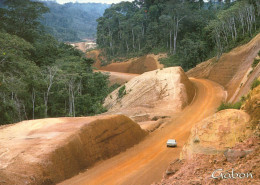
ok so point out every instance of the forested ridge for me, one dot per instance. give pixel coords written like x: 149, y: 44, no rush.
x: 39, y: 76
x: 190, y: 31
x: 72, y: 21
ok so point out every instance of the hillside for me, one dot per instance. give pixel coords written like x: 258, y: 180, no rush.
x: 232, y: 70
x: 72, y: 21
x: 65, y: 120
x: 41, y: 77
x: 189, y: 31
x: 136, y: 65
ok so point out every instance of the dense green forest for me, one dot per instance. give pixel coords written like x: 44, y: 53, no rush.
x: 39, y: 76
x: 72, y: 21
x: 190, y: 31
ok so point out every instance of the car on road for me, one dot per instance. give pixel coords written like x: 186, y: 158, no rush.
x: 171, y: 143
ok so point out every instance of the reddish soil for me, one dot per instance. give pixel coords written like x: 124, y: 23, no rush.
x: 155, y: 93
x: 227, y: 140
x: 135, y: 65
x: 145, y: 162
x: 242, y: 158
x: 47, y: 151
x: 246, y: 83
x: 119, y: 78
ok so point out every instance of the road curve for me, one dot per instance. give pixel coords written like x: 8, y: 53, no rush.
x: 145, y: 163
x: 118, y: 77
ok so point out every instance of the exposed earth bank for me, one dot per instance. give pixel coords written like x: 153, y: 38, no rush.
x: 232, y: 70
x: 152, y: 95
x: 47, y: 151
x: 136, y: 65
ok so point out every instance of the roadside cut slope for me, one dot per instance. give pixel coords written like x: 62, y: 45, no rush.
x: 47, y: 151
x: 232, y: 70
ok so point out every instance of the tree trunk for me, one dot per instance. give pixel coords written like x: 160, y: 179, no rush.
x: 133, y: 38
x: 171, y: 41
x: 127, y: 47
x: 52, y: 71
x: 33, y: 102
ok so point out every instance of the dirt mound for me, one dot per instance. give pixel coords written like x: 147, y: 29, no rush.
x: 231, y: 68
x: 136, y: 65
x: 155, y: 93
x: 216, y: 133
x: 50, y: 150
x: 144, y: 64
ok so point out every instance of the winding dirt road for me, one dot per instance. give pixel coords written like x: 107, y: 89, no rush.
x: 145, y: 163
x: 118, y: 77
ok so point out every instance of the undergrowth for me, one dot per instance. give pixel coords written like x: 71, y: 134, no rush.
x: 255, y: 83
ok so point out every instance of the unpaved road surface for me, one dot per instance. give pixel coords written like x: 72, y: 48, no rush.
x: 145, y: 163
x: 119, y: 78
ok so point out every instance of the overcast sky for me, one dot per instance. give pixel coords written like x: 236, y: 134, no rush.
x: 92, y: 1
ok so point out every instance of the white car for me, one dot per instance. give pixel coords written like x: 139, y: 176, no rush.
x: 171, y: 143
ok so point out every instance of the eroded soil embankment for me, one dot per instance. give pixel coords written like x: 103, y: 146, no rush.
x: 230, y: 69
x: 50, y: 150
x: 136, y: 65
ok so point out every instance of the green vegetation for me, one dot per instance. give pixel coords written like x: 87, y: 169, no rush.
x: 114, y: 87
x: 224, y: 105
x: 121, y: 92
x: 39, y: 76
x: 190, y: 31
x: 255, y: 83
x: 255, y: 63
x: 72, y: 21
x: 237, y: 105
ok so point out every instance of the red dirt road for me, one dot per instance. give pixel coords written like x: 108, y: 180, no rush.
x: 145, y: 163
x: 119, y: 78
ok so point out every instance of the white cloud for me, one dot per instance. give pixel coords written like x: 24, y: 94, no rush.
x: 92, y: 1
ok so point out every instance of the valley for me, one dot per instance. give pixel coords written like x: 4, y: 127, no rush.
x: 90, y: 93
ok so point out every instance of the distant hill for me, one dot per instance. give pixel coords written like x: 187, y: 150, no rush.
x: 72, y: 21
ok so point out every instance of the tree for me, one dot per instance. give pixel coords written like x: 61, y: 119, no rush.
x: 21, y: 18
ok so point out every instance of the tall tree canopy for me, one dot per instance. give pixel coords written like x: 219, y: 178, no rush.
x: 39, y: 76
x: 21, y: 18
x: 190, y: 31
